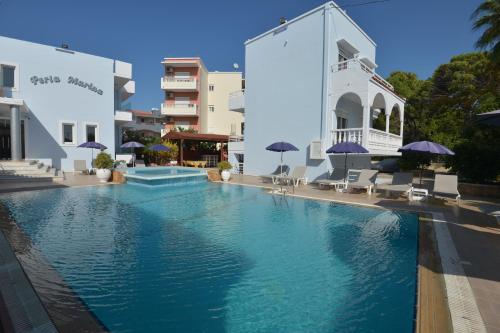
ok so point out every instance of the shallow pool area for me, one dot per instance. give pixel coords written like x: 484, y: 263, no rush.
x: 224, y: 258
x: 165, y: 176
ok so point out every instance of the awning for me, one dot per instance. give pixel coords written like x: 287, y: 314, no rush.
x: 195, y: 137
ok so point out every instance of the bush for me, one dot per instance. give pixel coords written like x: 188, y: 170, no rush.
x: 224, y: 165
x: 104, y: 161
x: 477, y: 162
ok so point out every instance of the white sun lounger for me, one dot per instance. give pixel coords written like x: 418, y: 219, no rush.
x: 366, y: 180
x: 447, y: 185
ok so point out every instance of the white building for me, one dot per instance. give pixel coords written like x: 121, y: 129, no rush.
x: 53, y: 99
x: 311, y: 81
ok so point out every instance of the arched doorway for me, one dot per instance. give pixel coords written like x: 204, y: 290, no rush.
x: 348, y: 119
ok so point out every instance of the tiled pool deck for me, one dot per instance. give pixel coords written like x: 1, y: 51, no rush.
x: 475, y: 234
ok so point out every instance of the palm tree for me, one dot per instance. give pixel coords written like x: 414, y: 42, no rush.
x: 487, y: 16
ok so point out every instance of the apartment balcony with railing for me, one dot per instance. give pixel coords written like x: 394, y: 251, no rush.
x: 179, y: 83
x: 173, y: 109
x: 376, y: 141
x: 237, y: 101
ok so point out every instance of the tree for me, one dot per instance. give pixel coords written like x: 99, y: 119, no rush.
x: 487, y: 17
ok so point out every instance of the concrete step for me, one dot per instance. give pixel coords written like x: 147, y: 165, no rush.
x: 20, y: 179
x: 22, y: 168
x: 13, y: 164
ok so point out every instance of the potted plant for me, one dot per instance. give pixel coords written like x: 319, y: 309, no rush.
x: 104, y: 163
x: 224, y: 168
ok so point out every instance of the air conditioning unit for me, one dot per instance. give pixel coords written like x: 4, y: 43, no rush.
x: 316, y: 151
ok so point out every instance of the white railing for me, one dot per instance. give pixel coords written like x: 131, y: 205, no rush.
x: 173, y: 82
x: 236, y: 138
x: 376, y: 139
x: 382, y: 140
x: 179, y: 109
x: 348, y: 135
x: 355, y: 64
x: 237, y: 100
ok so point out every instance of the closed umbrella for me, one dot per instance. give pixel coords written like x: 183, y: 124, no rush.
x: 281, y: 147
x: 427, y: 147
x: 93, y: 145
x: 132, y: 145
x: 346, y: 148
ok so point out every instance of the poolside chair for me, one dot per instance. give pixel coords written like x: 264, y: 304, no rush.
x: 280, y: 171
x: 366, y: 180
x: 298, y: 175
x: 80, y: 166
x: 336, y: 178
x: 446, y: 185
x: 139, y: 163
x: 401, y: 182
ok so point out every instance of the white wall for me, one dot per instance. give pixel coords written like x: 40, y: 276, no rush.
x: 51, y: 103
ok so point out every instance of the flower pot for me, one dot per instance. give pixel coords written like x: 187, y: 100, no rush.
x: 103, y: 175
x: 225, y: 174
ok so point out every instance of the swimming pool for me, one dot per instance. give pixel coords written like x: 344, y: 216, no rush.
x: 165, y: 176
x: 224, y: 258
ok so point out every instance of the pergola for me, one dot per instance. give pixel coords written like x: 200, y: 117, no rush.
x: 180, y: 137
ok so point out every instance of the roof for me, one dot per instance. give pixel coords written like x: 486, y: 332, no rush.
x: 329, y: 4
x: 141, y: 113
x: 196, y: 136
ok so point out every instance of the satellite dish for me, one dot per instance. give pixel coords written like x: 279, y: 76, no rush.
x: 236, y: 66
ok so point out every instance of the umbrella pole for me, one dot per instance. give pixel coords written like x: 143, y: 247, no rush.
x: 281, y: 164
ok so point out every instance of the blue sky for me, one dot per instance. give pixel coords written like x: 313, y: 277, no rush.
x: 412, y: 35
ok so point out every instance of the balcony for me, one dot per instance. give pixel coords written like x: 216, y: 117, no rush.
x: 122, y: 72
x: 188, y: 83
x: 377, y: 142
x: 237, y: 101
x: 123, y: 116
x: 179, y: 109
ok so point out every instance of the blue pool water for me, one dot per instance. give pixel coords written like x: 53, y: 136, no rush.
x: 165, y: 176
x: 225, y: 258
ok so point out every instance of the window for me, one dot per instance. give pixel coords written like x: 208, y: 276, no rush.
x: 91, y: 131
x: 243, y: 128
x: 68, y: 133
x: 341, y: 123
x: 211, y: 87
x: 8, y: 76
x: 211, y: 108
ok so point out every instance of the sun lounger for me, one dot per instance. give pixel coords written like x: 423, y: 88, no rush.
x: 80, y: 166
x: 139, y: 163
x: 298, y: 175
x: 401, y: 182
x: 366, y: 180
x: 446, y: 185
x: 280, y: 171
x: 336, y: 178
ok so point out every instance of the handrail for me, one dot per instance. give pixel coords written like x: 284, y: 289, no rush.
x: 173, y: 105
x: 353, y: 63
x: 384, y: 132
x: 172, y: 78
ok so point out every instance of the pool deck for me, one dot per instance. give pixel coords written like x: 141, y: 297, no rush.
x: 475, y: 234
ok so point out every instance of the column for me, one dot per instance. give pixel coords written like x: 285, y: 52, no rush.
x: 366, y: 125
x: 387, y: 121
x: 15, y: 133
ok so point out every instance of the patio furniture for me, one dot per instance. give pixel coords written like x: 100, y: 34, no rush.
x: 418, y: 194
x: 366, y: 180
x: 401, y: 182
x: 80, y: 166
x: 298, y: 175
x: 337, y: 179
x: 281, y: 170
x: 446, y: 185
x: 140, y: 163
x: 127, y: 158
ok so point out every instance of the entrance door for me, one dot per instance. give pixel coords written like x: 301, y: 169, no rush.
x: 5, y: 153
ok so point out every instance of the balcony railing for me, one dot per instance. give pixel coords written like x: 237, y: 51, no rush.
x: 179, y: 109
x: 355, y: 64
x: 348, y: 135
x: 377, y: 140
x: 171, y: 82
x: 237, y: 100
x: 382, y: 140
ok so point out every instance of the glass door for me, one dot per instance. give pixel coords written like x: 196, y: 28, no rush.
x: 5, y: 139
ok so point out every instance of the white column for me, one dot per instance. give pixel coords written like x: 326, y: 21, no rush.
x: 387, y: 120
x: 366, y: 125
x: 15, y: 133
x: 401, y: 128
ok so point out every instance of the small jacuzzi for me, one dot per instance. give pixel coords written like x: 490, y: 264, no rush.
x: 165, y: 176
